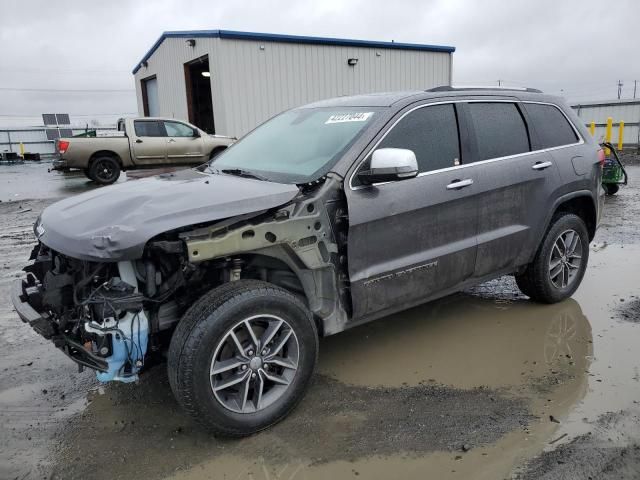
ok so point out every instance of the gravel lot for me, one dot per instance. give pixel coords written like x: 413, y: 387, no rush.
x: 482, y: 384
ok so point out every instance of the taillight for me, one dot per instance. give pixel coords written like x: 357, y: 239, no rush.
x: 63, y: 145
x: 601, y: 157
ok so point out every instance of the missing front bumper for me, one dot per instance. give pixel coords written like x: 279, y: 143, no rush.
x: 22, y: 293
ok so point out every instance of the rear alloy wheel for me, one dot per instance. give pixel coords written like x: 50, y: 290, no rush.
x: 104, y: 170
x: 242, y: 356
x: 560, y: 262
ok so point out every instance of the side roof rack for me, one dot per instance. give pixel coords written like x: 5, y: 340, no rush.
x: 448, y: 88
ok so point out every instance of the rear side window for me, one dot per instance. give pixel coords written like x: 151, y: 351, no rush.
x: 148, y: 128
x: 432, y: 134
x: 551, y: 126
x: 500, y: 130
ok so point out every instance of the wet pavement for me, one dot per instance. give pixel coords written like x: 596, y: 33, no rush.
x: 481, y: 384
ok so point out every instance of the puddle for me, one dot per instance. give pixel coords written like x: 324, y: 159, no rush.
x: 398, y: 397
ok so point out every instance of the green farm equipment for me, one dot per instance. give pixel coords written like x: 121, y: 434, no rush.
x: 613, y: 173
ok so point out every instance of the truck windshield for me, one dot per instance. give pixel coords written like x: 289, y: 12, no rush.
x: 297, y: 146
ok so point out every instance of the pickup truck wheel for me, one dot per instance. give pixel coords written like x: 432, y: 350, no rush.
x: 104, y: 170
x: 242, y: 356
x: 560, y: 263
x: 87, y: 173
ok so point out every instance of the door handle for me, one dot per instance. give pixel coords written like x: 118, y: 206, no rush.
x: 171, y: 140
x: 457, y: 184
x: 541, y: 165
x: 138, y: 141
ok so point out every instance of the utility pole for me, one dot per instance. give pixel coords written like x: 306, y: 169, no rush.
x: 635, y: 86
x: 499, y: 83
x: 619, y: 89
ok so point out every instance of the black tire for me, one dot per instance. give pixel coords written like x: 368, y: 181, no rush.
x: 206, y: 324
x: 610, y: 188
x: 536, y: 281
x: 104, y: 170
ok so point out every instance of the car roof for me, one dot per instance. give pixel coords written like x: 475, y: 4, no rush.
x: 399, y: 99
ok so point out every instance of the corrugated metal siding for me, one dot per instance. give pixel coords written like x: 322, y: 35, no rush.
x: 250, y: 84
x: 167, y: 64
x: 626, y: 112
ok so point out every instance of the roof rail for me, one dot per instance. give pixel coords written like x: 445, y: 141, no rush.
x: 448, y: 88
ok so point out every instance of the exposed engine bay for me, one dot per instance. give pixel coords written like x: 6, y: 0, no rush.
x: 117, y: 317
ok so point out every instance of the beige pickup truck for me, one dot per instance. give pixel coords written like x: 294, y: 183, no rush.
x: 139, y: 143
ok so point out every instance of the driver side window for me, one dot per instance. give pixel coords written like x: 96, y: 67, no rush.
x: 432, y: 133
x: 177, y: 129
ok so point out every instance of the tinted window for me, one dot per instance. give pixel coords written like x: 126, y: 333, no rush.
x: 177, y: 129
x: 146, y: 128
x: 500, y: 130
x: 551, y: 125
x: 432, y: 134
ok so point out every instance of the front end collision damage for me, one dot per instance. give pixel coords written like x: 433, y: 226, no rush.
x: 117, y: 317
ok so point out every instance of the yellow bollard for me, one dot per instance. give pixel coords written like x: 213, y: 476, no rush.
x: 592, y: 129
x: 607, y: 134
x: 620, y: 135
x: 21, y: 149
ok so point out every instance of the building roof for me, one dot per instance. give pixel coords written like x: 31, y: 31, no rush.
x: 607, y: 103
x: 273, y: 37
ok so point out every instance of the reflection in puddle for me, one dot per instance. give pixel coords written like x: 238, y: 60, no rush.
x: 415, y: 387
x: 464, y: 342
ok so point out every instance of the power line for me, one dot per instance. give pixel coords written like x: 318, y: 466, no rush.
x: 37, y: 115
x: 64, y: 90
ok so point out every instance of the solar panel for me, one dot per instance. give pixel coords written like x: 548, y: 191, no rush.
x: 49, y: 119
x: 63, y: 119
x: 52, y: 133
x: 66, y: 132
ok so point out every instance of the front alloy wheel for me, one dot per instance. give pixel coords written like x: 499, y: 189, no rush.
x: 242, y: 356
x: 254, y: 363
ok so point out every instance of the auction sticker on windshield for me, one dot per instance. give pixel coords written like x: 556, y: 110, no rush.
x: 349, y: 117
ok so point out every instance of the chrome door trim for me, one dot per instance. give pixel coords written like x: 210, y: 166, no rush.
x: 465, y: 165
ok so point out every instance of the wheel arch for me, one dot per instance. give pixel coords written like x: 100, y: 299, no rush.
x: 215, y: 151
x: 580, y: 203
x: 104, y: 153
x: 303, y: 282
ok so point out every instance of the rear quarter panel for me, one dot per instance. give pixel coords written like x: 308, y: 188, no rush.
x: 81, y: 150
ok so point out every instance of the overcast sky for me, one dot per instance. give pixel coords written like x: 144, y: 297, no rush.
x: 52, y: 50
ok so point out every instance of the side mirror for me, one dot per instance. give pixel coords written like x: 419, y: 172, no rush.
x: 196, y: 133
x: 389, y: 165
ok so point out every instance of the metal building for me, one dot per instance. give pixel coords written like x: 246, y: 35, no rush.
x: 228, y: 82
x: 627, y: 111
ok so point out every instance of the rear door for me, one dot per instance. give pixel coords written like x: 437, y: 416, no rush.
x: 148, y: 142
x: 516, y: 184
x: 411, y: 239
x: 184, y: 144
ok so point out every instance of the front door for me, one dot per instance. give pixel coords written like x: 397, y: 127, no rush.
x: 148, y: 142
x: 412, y: 239
x: 184, y: 144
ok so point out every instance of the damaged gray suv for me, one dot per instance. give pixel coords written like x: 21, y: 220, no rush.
x: 325, y: 217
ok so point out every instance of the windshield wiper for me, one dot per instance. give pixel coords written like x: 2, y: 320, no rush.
x: 242, y: 173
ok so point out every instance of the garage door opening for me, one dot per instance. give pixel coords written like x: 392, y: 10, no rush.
x: 199, y: 104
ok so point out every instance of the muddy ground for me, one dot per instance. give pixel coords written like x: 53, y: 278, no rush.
x: 482, y: 384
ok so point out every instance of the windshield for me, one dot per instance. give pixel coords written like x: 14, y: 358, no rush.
x: 297, y: 146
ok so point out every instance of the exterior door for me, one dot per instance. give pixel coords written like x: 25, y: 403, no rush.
x: 515, y: 185
x: 411, y: 239
x: 148, y: 142
x: 184, y: 144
